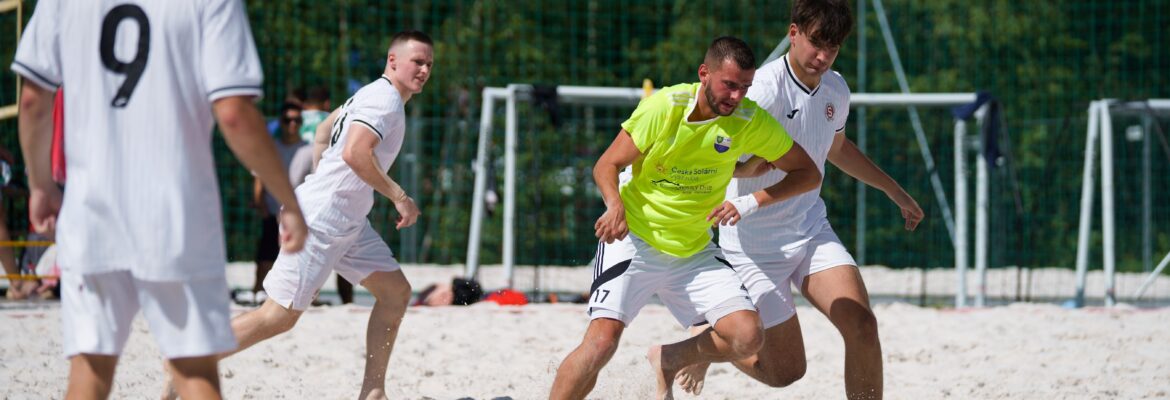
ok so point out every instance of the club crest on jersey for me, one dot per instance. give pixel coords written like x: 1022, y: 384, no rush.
x: 830, y: 112
x: 722, y: 143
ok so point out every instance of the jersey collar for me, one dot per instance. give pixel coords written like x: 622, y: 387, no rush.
x: 694, y: 103
x: 799, y: 84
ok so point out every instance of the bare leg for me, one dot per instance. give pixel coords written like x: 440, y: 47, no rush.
x: 840, y: 294
x: 252, y: 327
x: 779, y: 363
x: 195, y: 377
x: 691, y: 378
x: 17, y: 288
x: 578, y: 372
x: 736, y: 336
x: 392, y: 292
x: 91, y: 376
x: 262, y: 268
x: 255, y: 326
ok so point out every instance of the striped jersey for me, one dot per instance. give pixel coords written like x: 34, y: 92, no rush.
x: 813, y: 117
x: 142, y: 77
x: 333, y: 198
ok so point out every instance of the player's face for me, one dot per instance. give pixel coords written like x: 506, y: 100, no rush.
x: 411, y: 63
x: 292, y: 122
x: 725, y: 87
x: 812, y: 58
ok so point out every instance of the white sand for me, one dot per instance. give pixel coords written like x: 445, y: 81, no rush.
x: 1023, y: 351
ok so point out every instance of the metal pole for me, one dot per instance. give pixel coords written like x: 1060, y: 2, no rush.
x: 477, y: 197
x: 1153, y: 276
x: 1147, y: 199
x: 981, y: 214
x: 916, y: 122
x: 961, y: 214
x: 779, y: 50
x: 1086, y: 204
x: 1107, y: 220
x: 859, y: 246
x: 510, y: 184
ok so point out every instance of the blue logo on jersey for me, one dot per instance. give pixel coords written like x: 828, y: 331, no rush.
x: 722, y: 143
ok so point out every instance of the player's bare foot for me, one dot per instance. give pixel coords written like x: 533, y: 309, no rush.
x: 690, y: 378
x: 375, y: 394
x: 664, y: 376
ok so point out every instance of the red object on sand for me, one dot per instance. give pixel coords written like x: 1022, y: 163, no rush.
x: 507, y: 297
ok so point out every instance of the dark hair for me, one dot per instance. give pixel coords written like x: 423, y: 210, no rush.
x: 410, y: 34
x: 826, y: 22
x: 467, y: 291
x: 317, y: 95
x: 289, y: 106
x: 729, y: 48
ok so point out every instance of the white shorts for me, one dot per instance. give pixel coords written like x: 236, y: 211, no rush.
x: 698, y: 288
x: 769, y: 277
x: 295, y: 278
x: 187, y: 319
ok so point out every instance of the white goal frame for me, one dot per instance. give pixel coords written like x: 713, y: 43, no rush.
x: 1100, y: 132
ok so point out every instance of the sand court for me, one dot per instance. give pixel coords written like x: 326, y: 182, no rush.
x: 1020, y: 351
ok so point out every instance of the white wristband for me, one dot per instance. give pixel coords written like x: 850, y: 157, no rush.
x: 746, y: 205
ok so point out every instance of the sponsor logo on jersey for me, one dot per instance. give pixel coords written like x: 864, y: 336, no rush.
x: 793, y: 113
x: 722, y: 143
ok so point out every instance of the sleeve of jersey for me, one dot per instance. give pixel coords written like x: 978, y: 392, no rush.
x: 38, y: 55
x: 844, y: 113
x: 231, y: 66
x: 769, y: 139
x: 645, y: 124
x: 378, y: 117
x: 844, y: 108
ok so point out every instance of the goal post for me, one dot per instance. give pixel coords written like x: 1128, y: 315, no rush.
x: 1099, y: 132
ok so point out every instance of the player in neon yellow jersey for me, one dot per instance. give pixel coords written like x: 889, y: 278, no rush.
x: 683, y: 143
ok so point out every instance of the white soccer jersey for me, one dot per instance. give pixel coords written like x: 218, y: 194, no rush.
x: 333, y: 198
x: 813, y: 117
x: 142, y: 193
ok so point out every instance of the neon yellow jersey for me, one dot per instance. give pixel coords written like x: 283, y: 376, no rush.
x: 685, y: 166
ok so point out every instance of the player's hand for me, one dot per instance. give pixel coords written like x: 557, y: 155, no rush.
x: 407, y: 213
x: 725, y: 214
x: 612, y: 224
x: 910, y: 209
x: 43, y: 206
x: 293, y: 230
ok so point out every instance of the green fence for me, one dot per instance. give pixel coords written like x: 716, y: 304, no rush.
x: 1044, y: 60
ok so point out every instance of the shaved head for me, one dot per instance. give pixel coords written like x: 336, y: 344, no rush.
x: 403, y: 37
x: 729, y: 48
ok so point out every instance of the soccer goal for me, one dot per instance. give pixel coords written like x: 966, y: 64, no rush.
x: 1100, y: 133
x: 957, y: 224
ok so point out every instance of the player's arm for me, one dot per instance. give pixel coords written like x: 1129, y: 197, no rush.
x: 802, y: 176
x: 359, y: 155
x: 36, y: 142
x: 245, y: 134
x: 846, y: 156
x: 321, y: 138
x: 753, y: 167
x: 620, y: 154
